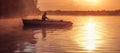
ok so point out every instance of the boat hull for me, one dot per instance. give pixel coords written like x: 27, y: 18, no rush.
x: 47, y: 23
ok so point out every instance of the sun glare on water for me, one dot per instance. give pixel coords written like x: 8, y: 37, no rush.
x: 90, y: 36
x: 90, y: 30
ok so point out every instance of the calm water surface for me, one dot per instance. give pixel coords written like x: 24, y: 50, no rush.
x: 89, y: 34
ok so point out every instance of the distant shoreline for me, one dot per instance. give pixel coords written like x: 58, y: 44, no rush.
x: 70, y: 13
x: 85, y: 13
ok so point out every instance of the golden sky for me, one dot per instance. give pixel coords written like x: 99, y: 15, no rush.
x: 79, y: 4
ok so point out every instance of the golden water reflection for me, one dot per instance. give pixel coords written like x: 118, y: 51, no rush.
x: 91, y: 39
x: 90, y: 36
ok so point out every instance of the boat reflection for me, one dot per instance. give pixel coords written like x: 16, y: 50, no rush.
x: 40, y: 33
x: 40, y: 39
x: 32, y: 27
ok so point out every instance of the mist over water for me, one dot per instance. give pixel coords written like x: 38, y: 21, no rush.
x: 16, y: 8
x: 89, y: 34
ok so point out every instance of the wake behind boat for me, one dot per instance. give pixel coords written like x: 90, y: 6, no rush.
x: 38, y: 22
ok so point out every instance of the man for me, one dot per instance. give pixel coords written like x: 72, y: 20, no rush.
x: 44, y: 17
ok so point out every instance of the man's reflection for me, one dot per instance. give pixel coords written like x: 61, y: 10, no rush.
x: 44, y: 33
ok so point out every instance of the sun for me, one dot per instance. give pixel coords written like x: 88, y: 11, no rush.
x: 93, y: 1
x: 88, y: 2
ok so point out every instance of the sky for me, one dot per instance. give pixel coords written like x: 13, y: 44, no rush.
x: 80, y: 5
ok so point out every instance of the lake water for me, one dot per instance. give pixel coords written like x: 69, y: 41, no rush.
x: 89, y: 34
